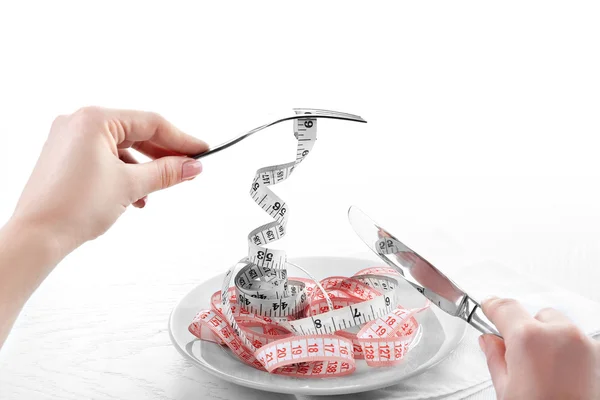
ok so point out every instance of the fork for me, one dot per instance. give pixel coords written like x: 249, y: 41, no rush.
x: 300, y: 113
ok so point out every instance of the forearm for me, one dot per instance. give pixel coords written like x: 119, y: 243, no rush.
x: 28, y: 253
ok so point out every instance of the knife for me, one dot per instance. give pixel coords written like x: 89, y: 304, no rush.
x: 417, y: 271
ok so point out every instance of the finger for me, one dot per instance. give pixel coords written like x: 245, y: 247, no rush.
x: 552, y: 316
x: 507, y: 314
x: 127, y: 157
x: 494, y: 349
x: 153, y: 150
x: 137, y: 126
x: 163, y: 173
x: 141, y: 203
x: 125, y: 144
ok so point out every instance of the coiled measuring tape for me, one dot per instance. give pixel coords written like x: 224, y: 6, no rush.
x: 298, y: 326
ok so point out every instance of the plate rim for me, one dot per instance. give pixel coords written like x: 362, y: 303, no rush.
x: 304, y: 391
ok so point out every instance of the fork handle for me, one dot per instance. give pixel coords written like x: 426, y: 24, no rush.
x: 199, y: 156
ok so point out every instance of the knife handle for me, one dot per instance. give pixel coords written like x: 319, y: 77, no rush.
x: 478, y: 320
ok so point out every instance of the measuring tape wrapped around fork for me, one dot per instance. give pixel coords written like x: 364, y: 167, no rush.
x: 299, y: 326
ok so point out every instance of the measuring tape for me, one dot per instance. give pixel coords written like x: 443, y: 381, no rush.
x: 297, y: 326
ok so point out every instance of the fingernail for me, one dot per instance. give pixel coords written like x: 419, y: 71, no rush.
x: 482, y: 343
x: 144, y: 200
x: 191, y: 169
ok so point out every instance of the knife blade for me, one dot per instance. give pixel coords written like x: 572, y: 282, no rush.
x: 421, y: 274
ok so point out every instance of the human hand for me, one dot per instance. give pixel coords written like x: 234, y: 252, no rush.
x: 86, y: 175
x: 542, y: 357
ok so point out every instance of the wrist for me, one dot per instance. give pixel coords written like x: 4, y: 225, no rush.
x: 20, y: 234
x: 27, y: 255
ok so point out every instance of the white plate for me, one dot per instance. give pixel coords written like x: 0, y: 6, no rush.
x: 441, y: 334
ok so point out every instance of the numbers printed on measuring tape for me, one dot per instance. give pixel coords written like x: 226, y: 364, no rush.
x: 303, y: 330
x: 262, y: 256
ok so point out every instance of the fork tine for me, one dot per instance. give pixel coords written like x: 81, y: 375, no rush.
x: 317, y: 111
x: 324, y: 112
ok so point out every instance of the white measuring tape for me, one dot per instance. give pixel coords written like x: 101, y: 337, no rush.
x: 298, y: 326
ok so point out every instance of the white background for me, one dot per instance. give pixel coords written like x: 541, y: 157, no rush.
x: 482, y: 138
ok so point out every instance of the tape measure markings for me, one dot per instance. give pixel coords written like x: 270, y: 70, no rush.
x: 296, y: 326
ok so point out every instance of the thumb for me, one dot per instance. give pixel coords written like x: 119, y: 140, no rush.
x: 494, y: 349
x: 164, y: 172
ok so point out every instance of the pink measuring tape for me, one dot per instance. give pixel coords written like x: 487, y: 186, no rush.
x: 297, y: 326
